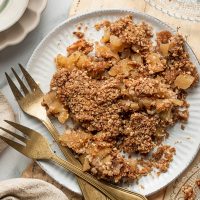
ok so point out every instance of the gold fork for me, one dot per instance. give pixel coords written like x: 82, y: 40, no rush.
x: 36, y: 147
x: 30, y: 103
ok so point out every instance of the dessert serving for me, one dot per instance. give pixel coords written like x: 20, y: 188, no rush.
x: 122, y: 94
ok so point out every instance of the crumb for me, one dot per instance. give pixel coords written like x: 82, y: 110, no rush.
x: 188, y: 192
x: 163, y: 157
x: 177, y: 142
x: 78, y: 34
x: 182, y: 127
x: 124, y: 92
x: 198, y: 183
x: 142, y: 187
x: 158, y: 173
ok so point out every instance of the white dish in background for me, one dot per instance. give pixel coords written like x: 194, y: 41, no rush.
x: 29, y: 20
x: 41, y: 66
x: 10, y: 12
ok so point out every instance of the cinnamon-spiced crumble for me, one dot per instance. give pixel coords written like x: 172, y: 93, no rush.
x: 124, y: 97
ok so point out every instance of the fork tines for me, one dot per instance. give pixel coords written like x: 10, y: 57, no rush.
x: 16, y: 145
x: 25, y: 130
x: 32, y: 84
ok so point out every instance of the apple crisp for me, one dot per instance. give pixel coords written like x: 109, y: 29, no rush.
x: 124, y: 92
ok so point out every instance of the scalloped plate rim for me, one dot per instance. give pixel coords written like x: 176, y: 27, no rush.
x: 28, y: 29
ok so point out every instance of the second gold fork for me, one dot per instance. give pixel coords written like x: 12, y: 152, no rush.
x: 36, y: 146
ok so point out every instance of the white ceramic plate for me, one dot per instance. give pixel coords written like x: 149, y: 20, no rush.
x: 10, y: 12
x: 41, y: 67
x: 29, y: 20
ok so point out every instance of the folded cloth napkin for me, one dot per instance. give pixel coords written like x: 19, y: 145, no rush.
x: 31, y: 189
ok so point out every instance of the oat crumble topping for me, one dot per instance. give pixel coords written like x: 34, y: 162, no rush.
x: 124, y: 97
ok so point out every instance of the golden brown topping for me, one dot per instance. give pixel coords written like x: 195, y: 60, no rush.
x: 163, y: 105
x: 91, y: 101
x: 138, y: 133
x: 124, y: 96
x: 163, y: 37
x: 137, y: 36
x: 163, y: 156
x: 127, y: 105
x: 149, y: 87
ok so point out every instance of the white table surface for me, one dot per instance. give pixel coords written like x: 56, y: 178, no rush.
x: 11, y: 162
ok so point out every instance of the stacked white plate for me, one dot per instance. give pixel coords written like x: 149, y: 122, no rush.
x: 17, y: 19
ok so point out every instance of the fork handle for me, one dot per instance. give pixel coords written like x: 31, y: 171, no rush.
x: 114, y: 193
x: 88, y: 191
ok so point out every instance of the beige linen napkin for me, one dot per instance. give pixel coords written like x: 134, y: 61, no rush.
x: 31, y: 189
